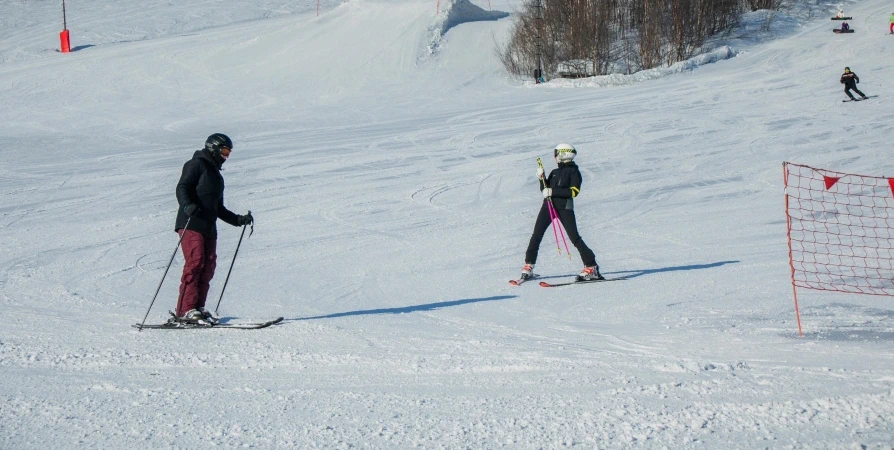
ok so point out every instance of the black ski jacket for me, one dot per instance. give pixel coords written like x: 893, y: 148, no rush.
x: 850, y: 79
x: 565, y: 183
x: 202, y: 184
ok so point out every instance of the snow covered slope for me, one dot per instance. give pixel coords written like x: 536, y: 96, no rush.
x: 394, y: 193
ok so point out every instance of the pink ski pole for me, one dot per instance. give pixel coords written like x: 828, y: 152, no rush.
x: 558, y: 225
x: 552, y: 221
x: 552, y: 212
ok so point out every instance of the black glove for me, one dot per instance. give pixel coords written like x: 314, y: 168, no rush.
x: 245, y: 220
x: 190, y: 209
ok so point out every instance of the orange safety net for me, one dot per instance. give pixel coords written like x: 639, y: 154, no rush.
x: 841, y: 230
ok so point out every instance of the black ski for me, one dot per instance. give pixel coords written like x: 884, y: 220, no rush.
x: 545, y: 284
x: 860, y: 99
x: 189, y: 326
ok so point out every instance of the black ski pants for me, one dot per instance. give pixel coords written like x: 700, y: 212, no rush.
x: 847, y: 90
x: 569, y: 222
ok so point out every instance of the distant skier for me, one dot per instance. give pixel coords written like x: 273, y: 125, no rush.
x: 849, y: 80
x: 200, y: 196
x: 560, y: 188
x: 845, y: 27
x: 891, y: 26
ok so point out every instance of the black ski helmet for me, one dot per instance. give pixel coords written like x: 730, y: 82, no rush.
x: 216, y: 141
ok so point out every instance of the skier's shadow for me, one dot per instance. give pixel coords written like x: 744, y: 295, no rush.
x: 638, y: 273
x: 406, y: 309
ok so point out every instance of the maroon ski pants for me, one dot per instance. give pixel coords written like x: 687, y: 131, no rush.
x: 200, y: 260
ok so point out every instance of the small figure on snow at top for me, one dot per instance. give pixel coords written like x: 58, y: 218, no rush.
x: 891, y: 26
x: 849, y: 80
x: 840, y: 15
x: 845, y: 27
x: 559, y: 190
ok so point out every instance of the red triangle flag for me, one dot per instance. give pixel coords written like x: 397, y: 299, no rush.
x: 830, y: 181
x: 891, y: 183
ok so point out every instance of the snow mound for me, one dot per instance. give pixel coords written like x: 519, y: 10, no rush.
x: 457, y: 12
x: 718, y: 54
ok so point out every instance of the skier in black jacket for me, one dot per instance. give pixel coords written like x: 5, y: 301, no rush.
x: 200, y: 196
x: 850, y: 80
x: 560, y: 188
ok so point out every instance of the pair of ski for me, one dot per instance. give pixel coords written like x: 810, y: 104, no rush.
x: 859, y: 99
x: 191, y: 326
x: 521, y: 281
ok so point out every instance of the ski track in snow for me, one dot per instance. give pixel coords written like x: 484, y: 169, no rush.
x: 389, y: 163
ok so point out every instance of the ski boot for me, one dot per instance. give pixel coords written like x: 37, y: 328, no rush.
x: 209, y: 316
x: 191, y: 317
x: 590, y: 273
x: 527, y: 272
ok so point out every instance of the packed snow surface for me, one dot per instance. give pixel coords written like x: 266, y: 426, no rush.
x: 394, y: 193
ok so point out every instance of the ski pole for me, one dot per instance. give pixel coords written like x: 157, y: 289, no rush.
x: 227, y: 279
x: 549, y: 207
x: 554, y: 217
x: 140, y: 328
x: 559, y: 226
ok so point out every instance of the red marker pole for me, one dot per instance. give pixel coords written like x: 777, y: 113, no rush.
x: 64, y: 42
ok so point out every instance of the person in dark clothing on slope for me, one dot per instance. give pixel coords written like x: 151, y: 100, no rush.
x: 850, y: 80
x: 200, y: 197
x: 560, y: 188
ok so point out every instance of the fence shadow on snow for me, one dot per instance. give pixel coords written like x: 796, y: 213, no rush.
x: 848, y: 322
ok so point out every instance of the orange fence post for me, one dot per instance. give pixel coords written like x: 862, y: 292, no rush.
x: 791, y: 264
x: 64, y: 43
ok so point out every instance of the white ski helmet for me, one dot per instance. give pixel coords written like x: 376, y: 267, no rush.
x: 564, y: 152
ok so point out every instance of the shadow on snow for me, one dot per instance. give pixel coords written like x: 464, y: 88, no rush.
x: 433, y: 306
x: 408, y: 309
x: 638, y: 273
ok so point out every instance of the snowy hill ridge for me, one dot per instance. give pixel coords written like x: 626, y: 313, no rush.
x: 718, y: 54
x: 393, y: 201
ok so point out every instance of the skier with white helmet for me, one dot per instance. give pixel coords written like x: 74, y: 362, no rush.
x: 560, y: 188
